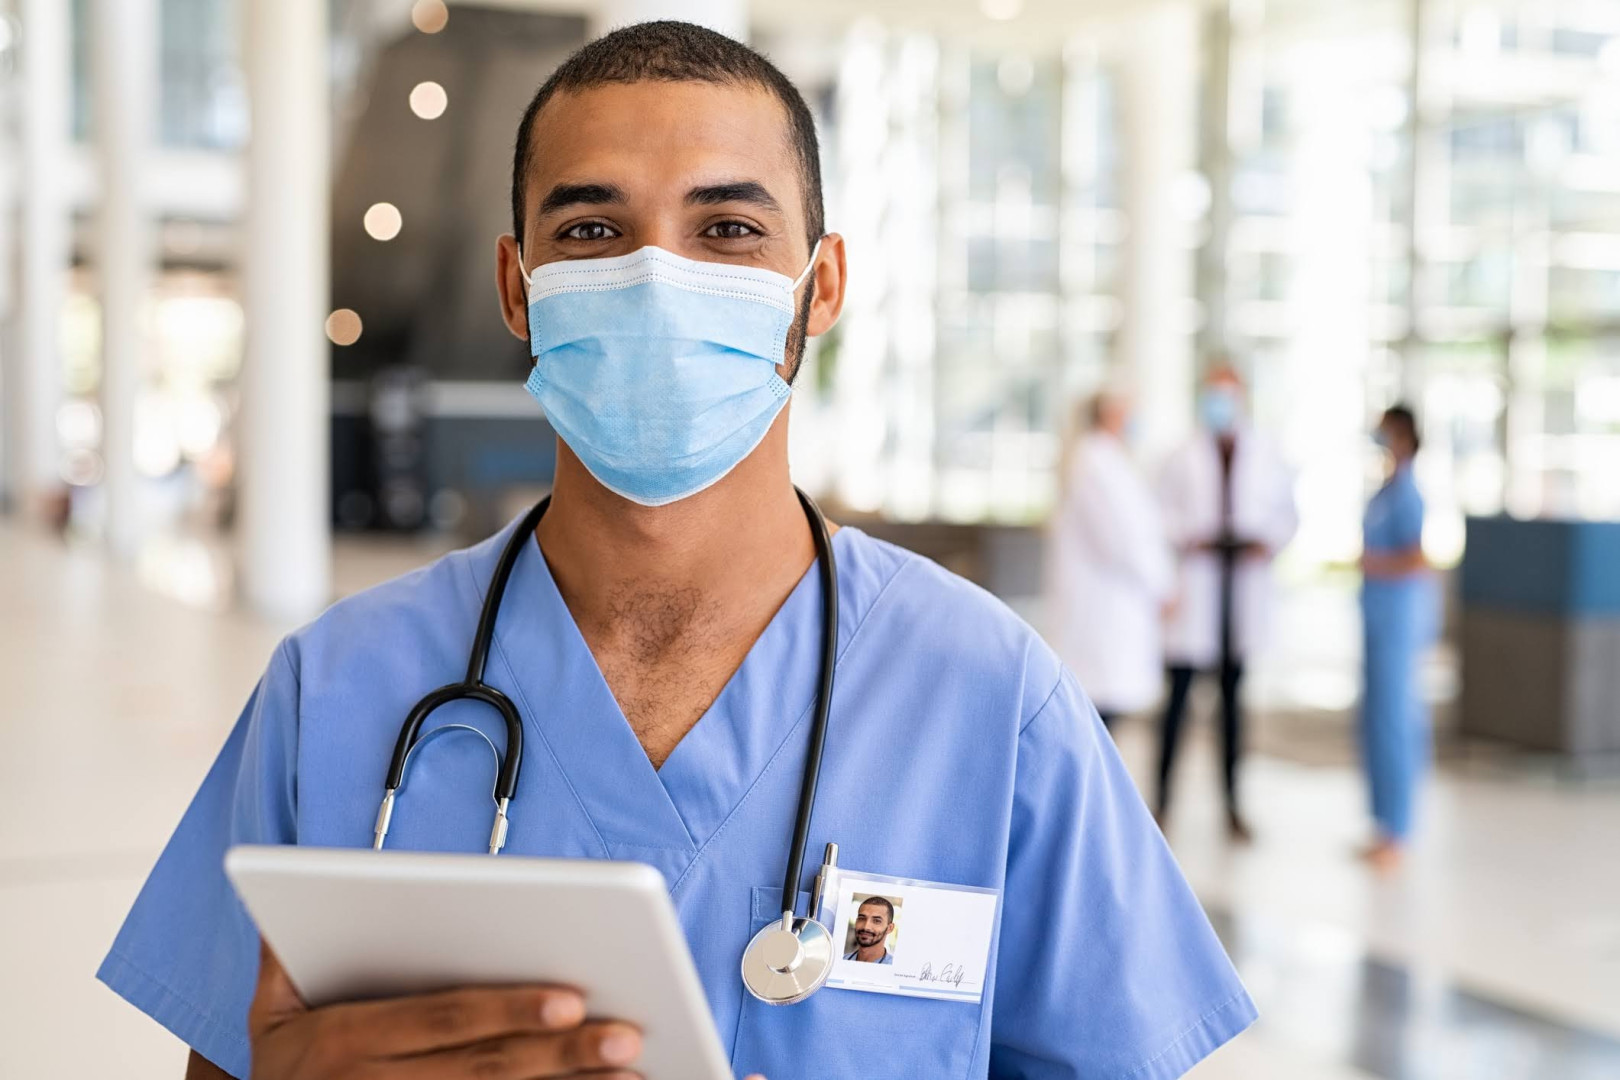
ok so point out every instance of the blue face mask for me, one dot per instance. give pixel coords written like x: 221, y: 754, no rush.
x: 1218, y: 408
x: 659, y: 372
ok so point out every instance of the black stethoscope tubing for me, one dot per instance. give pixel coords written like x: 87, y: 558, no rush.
x: 474, y: 688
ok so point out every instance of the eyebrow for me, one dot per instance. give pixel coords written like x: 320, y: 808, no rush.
x: 743, y: 191
x: 565, y: 195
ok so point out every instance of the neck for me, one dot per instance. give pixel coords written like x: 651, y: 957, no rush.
x: 870, y: 953
x: 736, y: 545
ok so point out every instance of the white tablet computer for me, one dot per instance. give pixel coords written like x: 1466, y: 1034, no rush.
x: 353, y: 924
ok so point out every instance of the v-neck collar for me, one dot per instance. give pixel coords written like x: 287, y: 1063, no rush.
x: 571, y: 712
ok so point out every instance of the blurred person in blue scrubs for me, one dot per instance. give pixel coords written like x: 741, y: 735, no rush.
x: 1228, y: 503
x: 1399, y: 610
x: 661, y: 638
x: 1111, y: 571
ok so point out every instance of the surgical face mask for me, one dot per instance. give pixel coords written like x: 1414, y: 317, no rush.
x: 659, y: 372
x: 1218, y: 409
x: 1381, y: 438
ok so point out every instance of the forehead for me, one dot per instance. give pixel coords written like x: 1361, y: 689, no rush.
x: 875, y: 907
x: 654, y: 137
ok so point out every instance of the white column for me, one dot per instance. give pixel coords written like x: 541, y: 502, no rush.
x: 730, y: 17
x: 1427, y: 188
x: 34, y: 378
x: 1215, y: 159
x: 1324, y: 375
x: 124, y: 44
x: 860, y: 407
x: 284, y: 451
x: 10, y: 411
x: 1157, y: 50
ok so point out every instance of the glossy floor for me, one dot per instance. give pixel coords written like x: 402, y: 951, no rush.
x: 1494, y: 955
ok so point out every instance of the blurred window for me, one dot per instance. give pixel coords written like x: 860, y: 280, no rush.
x: 202, y: 103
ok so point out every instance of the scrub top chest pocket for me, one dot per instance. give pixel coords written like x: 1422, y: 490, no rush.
x: 838, y: 1033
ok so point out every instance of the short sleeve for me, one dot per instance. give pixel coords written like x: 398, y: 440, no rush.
x: 188, y: 953
x: 1406, y: 524
x: 1107, y: 965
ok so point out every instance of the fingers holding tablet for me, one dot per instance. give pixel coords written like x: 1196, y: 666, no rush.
x: 489, y: 1033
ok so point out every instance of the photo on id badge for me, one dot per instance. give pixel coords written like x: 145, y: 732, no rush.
x: 912, y: 938
x: 874, y: 931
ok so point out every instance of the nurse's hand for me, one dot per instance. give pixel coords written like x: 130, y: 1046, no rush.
x: 521, y: 1033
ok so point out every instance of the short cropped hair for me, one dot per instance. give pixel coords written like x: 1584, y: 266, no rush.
x: 676, y: 52
x: 879, y: 900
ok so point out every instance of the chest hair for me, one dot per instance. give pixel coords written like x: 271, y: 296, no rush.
x: 666, y: 654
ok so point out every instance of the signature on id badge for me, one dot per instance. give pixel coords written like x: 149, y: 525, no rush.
x: 913, y: 938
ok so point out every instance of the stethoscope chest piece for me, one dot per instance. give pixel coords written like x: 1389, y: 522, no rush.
x: 784, y: 966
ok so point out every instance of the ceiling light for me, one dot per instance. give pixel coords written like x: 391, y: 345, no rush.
x: 343, y: 327
x: 383, y: 221
x: 429, y: 16
x: 428, y: 100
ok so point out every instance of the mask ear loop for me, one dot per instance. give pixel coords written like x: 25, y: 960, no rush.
x: 528, y: 279
x: 809, y: 266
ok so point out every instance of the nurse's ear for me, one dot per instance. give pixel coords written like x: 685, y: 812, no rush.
x: 830, y: 274
x: 514, y: 295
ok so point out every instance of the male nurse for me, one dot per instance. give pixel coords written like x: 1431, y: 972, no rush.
x: 873, y: 920
x: 661, y: 636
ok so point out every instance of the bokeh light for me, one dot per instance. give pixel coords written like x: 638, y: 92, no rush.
x: 343, y: 327
x: 428, y: 100
x: 429, y: 16
x: 383, y: 221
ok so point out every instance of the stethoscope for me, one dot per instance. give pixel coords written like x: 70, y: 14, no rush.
x: 790, y: 958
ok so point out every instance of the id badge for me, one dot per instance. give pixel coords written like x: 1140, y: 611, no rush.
x: 913, y: 938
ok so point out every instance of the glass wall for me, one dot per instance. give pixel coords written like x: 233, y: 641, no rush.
x: 975, y: 191
x: 202, y: 103
x: 980, y: 188
x: 1519, y: 248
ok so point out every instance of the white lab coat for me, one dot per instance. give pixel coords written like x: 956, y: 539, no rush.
x: 1262, y: 509
x: 1110, y: 573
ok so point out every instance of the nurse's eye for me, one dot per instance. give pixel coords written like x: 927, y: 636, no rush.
x: 731, y: 230
x: 589, y: 231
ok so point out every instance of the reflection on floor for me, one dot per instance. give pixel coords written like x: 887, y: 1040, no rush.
x: 1494, y: 955
x: 1403, y: 1025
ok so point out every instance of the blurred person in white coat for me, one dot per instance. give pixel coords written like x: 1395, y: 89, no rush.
x: 1228, y: 505
x: 1111, y: 569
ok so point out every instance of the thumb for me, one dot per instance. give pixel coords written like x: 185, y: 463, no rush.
x: 275, y: 999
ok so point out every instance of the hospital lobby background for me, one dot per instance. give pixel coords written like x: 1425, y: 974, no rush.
x: 1411, y: 200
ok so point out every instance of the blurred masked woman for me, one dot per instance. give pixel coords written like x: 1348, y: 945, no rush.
x: 1111, y: 569
x: 1399, y: 612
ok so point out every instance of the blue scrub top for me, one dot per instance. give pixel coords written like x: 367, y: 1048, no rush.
x: 1394, y: 518
x: 959, y: 750
x: 1401, y: 614
x: 888, y: 957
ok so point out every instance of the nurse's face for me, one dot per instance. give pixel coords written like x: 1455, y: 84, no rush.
x: 871, y: 925
x: 705, y: 171
x: 1393, y: 438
